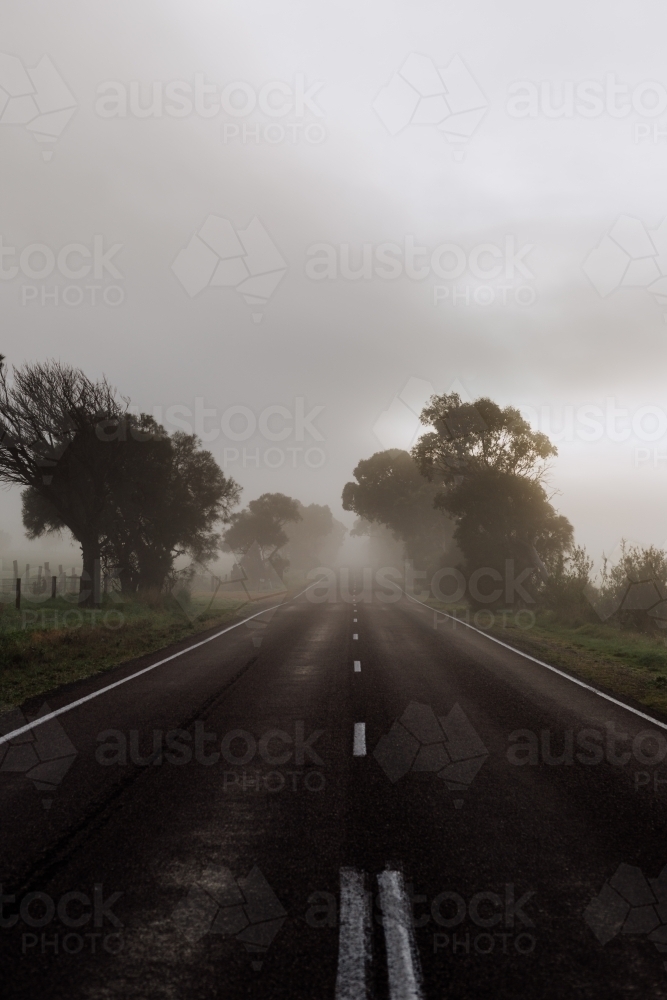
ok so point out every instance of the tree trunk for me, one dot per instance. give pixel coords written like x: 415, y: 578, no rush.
x: 89, y: 588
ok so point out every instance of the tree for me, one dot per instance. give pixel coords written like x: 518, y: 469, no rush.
x: 167, y: 499
x: 490, y: 466
x: 58, y: 438
x: 263, y: 522
x: 171, y: 502
x: 500, y: 516
x: 568, y: 590
x: 477, y: 436
x: 390, y: 490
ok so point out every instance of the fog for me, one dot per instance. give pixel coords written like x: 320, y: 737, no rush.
x: 525, y: 196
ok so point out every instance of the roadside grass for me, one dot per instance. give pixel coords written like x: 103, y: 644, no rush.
x: 624, y: 663
x: 44, y: 646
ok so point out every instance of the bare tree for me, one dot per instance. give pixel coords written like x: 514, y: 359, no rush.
x: 59, y: 436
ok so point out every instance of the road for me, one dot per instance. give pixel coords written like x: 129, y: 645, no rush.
x: 335, y: 800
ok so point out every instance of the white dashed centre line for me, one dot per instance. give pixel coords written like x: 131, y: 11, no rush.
x: 357, y: 666
x: 355, y: 635
x: 359, y: 747
x: 354, y: 619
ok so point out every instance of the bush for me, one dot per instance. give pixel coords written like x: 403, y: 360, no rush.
x: 564, y: 593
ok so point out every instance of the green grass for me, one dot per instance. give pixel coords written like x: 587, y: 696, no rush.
x: 624, y: 663
x: 54, y: 643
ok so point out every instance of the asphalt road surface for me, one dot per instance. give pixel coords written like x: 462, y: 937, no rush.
x: 334, y: 800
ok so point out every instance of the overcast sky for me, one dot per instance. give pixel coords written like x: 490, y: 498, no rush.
x: 218, y: 233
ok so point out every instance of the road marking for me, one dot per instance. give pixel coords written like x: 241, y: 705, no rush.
x: 355, y: 635
x: 561, y: 673
x: 354, y: 937
x: 145, y: 670
x: 354, y: 619
x: 402, y: 956
x: 359, y: 747
x: 357, y: 666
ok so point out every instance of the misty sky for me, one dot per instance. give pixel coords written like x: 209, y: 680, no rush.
x: 332, y: 158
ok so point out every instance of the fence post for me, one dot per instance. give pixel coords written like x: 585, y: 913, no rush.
x: 54, y: 584
x: 18, y: 593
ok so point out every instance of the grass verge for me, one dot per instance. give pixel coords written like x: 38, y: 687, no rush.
x: 626, y: 664
x: 56, y: 643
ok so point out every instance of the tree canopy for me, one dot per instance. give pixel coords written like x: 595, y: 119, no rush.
x: 390, y: 490
x: 130, y: 494
x: 263, y: 522
x: 470, y: 437
x: 490, y: 467
x: 58, y: 438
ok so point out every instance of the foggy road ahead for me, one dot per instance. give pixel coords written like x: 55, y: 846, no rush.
x: 336, y: 800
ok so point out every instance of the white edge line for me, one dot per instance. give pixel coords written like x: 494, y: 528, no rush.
x: 561, y: 673
x: 124, y: 680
